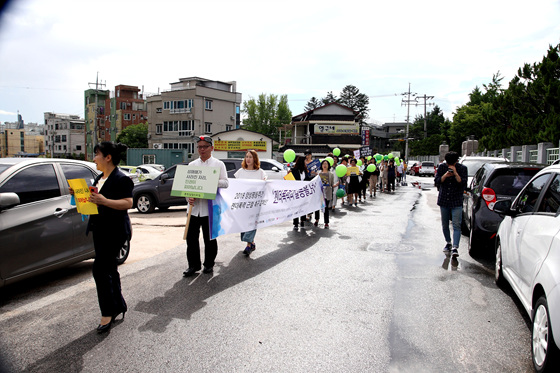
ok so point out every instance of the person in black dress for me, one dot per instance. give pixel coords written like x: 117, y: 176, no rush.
x: 110, y: 228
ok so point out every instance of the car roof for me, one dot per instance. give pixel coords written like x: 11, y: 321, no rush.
x: 514, y: 165
x: 14, y: 161
x: 477, y: 158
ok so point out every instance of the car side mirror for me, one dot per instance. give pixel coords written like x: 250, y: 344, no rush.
x: 503, y: 207
x: 8, y: 200
x: 274, y: 168
x: 163, y: 177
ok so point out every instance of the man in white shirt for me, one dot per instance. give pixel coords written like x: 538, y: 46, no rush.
x: 200, y: 212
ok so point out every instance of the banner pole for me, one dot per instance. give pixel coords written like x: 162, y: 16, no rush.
x: 188, y: 221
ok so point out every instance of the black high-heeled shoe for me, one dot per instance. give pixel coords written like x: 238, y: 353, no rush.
x: 106, y: 327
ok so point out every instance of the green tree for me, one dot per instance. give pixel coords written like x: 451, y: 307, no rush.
x: 134, y: 136
x: 437, y: 130
x: 329, y: 98
x: 352, y: 98
x: 266, y: 113
x: 313, y: 103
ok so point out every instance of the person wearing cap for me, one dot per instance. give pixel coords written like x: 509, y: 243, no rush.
x: 200, y: 213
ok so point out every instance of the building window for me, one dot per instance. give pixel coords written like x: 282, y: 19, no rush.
x: 177, y: 145
x: 149, y: 159
x: 166, y: 105
x: 78, y: 147
x: 159, y: 129
x: 63, y: 138
x: 123, y: 105
x: 133, y: 116
x: 208, y: 104
x: 207, y: 127
x: 228, y: 127
x: 126, y: 116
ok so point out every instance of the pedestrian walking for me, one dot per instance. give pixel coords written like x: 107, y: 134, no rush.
x: 327, y: 178
x: 451, y: 180
x: 299, y: 172
x: 391, y: 175
x: 354, y: 183
x: 336, y: 182
x: 199, y: 214
x: 111, y: 228
x: 250, y: 169
x: 373, y: 179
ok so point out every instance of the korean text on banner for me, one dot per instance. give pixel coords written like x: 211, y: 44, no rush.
x: 195, y: 182
x: 81, y: 195
x: 253, y: 204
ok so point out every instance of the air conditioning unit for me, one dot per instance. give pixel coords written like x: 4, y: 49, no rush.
x: 232, y: 117
x: 158, y: 146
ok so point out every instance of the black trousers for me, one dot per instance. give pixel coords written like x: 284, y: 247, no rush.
x: 391, y: 183
x: 193, y: 246
x: 105, y: 273
x: 327, y: 209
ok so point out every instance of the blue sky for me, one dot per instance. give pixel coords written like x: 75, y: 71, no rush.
x: 51, y: 50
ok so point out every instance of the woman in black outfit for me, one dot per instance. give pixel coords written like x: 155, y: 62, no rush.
x: 111, y: 228
x: 299, y: 171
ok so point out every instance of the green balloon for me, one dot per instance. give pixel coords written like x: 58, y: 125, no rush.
x: 390, y: 155
x: 371, y: 168
x: 369, y: 158
x: 289, y: 155
x: 386, y: 158
x: 330, y: 160
x: 378, y: 157
x: 340, y: 170
x: 397, y: 163
x: 336, y: 152
x: 340, y: 193
x: 359, y: 162
x: 397, y: 159
x: 347, y: 155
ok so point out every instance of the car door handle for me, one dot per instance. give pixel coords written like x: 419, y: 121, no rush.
x: 60, y: 212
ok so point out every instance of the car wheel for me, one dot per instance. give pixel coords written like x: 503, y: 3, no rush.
x: 499, y: 275
x: 474, y: 241
x: 145, y: 204
x: 123, y: 252
x: 543, y: 349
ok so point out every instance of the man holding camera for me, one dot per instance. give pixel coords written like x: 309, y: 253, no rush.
x: 451, y: 180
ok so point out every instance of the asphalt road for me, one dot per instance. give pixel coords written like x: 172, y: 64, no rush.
x: 374, y: 293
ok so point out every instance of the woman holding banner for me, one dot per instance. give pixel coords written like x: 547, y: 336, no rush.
x: 250, y: 170
x: 327, y: 178
x: 299, y: 171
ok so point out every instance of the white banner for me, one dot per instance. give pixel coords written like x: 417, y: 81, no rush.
x: 253, y: 204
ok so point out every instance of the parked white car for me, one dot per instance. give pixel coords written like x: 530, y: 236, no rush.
x: 528, y: 258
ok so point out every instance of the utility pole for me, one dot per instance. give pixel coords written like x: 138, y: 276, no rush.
x: 426, y: 98
x: 408, y: 101
x: 95, y: 129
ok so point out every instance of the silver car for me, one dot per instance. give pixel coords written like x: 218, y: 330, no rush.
x: 39, y: 229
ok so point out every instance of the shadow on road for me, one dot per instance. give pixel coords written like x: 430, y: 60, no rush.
x: 189, y: 295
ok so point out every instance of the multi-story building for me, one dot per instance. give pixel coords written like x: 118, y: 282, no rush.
x: 16, y: 143
x: 192, y: 107
x: 115, y: 111
x: 64, y: 135
x: 323, y: 129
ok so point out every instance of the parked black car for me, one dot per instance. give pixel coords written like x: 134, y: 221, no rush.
x: 156, y: 193
x: 492, y: 182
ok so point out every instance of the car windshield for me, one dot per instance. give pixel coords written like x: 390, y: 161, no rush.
x: 427, y: 164
x: 474, y: 165
x: 509, y: 182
